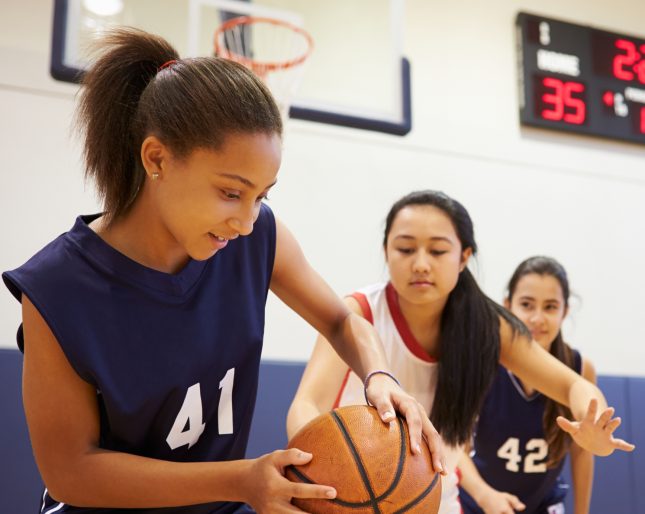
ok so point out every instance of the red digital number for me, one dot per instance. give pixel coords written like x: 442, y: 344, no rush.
x: 640, y: 68
x: 561, y: 98
x: 629, y: 59
x: 642, y: 120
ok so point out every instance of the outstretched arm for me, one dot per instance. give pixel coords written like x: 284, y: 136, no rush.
x: 594, y: 426
x: 490, y: 500
x: 354, y: 339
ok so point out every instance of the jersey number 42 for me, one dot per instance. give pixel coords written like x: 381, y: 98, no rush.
x: 536, y: 451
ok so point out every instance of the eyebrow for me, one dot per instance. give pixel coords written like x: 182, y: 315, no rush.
x: 243, y: 180
x: 435, y: 238
x: 548, y: 300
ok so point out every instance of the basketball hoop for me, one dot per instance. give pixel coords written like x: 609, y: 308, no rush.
x: 273, y: 49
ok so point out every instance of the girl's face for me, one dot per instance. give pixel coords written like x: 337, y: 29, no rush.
x: 211, y: 197
x: 424, y: 255
x: 538, y: 301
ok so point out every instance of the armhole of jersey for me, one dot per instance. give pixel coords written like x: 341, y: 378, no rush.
x: 342, y: 388
x: 365, y: 306
x: 577, y: 361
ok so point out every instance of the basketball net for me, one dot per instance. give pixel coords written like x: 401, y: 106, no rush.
x: 274, y: 49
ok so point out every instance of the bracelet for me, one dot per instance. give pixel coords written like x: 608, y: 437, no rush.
x: 370, y: 375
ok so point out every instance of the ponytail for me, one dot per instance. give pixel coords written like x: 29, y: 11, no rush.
x: 469, y: 357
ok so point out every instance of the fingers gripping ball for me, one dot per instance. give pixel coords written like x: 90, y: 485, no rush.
x: 368, y: 462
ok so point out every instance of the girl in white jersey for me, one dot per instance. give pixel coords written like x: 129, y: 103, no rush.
x: 444, y: 339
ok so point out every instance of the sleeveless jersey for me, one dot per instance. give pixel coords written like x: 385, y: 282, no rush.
x: 409, y: 363
x: 174, y: 358
x: 510, y: 450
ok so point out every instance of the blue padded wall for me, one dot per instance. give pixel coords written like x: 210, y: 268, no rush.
x: 276, y: 388
x: 20, y: 484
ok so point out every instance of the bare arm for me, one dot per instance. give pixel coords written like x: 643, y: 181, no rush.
x: 490, y: 500
x: 351, y: 336
x: 63, y: 419
x: 582, y: 461
x: 320, y: 383
x: 541, y: 371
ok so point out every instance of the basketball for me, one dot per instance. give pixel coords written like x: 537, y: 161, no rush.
x: 368, y: 462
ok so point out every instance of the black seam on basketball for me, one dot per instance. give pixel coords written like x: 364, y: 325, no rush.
x: 421, y: 496
x: 343, y: 503
x: 402, y: 457
x: 359, y: 463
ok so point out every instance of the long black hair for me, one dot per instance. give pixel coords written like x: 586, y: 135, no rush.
x: 139, y: 87
x: 557, y: 439
x: 469, y: 341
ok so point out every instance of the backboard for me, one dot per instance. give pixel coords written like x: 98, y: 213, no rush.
x: 356, y: 75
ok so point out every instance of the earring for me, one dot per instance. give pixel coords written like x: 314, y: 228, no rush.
x: 155, y: 176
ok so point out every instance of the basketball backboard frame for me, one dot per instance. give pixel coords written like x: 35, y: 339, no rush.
x: 394, y: 118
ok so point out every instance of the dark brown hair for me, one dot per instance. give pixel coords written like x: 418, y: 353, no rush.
x: 469, y: 342
x: 191, y: 103
x: 557, y: 439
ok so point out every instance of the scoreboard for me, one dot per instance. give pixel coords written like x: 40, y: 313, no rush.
x: 580, y: 79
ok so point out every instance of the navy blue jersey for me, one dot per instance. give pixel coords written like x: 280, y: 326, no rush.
x: 174, y: 358
x: 510, y: 450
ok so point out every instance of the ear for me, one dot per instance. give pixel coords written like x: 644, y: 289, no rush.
x: 507, y: 304
x: 465, y: 257
x: 153, y: 155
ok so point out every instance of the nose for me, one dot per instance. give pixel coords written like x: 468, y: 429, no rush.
x: 421, y: 263
x: 242, y: 222
x: 537, y: 317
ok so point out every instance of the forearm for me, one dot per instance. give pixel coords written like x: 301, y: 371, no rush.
x: 113, y: 479
x: 471, y: 481
x: 581, y: 393
x: 300, y: 413
x: 582, y: 479
x: 358, y: 344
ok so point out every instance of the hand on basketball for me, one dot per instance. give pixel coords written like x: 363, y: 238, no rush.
x: 270, y: 492
x: 388, y: 397
x: 498, y: 502
x: 594, y: 433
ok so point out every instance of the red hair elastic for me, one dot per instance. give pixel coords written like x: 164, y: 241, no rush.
x: 166, y: 64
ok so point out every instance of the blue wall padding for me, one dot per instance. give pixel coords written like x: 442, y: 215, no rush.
x: 20, y: 484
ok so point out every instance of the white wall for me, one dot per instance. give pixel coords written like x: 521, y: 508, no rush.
x: 578, y: 199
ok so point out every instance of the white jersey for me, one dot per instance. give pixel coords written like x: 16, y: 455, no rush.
x: 410, y: 364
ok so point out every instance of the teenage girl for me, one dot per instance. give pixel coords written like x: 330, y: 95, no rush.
x: 444, y: 339
x: 518, y: 448
x: 142, y: 326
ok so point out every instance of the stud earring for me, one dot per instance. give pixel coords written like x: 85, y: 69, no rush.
x: 155, y: 176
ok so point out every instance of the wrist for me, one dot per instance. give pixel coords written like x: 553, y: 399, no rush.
x: 374, y: 373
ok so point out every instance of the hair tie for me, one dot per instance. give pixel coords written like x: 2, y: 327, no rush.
x: 166, y: 64
x: 370, y: 375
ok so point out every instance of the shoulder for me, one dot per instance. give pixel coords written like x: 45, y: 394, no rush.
x: 45, y: 268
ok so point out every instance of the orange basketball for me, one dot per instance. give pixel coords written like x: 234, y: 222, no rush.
x: 368, y: 462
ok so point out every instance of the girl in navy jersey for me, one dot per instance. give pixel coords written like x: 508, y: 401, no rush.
x: 445, y: 339
x: 142, y: 327
x: 518, y: 448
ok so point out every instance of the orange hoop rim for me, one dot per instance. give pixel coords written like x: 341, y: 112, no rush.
x: 261, y: 67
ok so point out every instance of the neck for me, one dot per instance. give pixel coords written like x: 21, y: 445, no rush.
x: 425, y: 323
x: 142, y: 236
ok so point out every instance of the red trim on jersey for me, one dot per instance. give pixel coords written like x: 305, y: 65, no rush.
x: 402, y: 325
x: 342, y: 388
x: 365, y: 306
